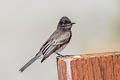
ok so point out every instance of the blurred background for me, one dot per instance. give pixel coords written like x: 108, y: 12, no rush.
x: 26, y: 24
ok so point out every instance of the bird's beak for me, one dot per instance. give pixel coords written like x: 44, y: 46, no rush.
x: 73, y: 23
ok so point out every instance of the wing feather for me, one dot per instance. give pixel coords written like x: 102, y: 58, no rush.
x: 54, y: 44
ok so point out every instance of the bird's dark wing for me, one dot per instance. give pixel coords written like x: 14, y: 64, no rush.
x: 54, y: 44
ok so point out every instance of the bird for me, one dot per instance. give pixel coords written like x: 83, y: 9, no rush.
x: 55, y: 43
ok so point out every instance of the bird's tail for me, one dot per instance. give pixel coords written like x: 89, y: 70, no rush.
x: 29, y: 63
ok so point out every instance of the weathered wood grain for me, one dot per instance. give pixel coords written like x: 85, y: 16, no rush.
x: 102, y: 66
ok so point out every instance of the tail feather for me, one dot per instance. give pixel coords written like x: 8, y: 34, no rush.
x: 29, y: 63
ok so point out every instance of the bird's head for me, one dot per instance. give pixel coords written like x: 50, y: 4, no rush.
x: 65, y: 23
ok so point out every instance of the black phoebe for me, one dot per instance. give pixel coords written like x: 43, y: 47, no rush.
x: 56, y: 42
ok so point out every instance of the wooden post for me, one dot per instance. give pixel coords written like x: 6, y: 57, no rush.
x: 102, y: 66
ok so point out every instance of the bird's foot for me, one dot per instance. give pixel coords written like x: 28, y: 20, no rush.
x: 62, y: 55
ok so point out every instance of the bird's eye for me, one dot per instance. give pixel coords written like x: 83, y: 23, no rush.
x: 61, y: 23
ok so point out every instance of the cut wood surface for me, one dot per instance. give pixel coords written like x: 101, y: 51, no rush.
x: 101, y: 66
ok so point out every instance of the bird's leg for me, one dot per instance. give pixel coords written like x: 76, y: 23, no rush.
x: 62, y: 55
